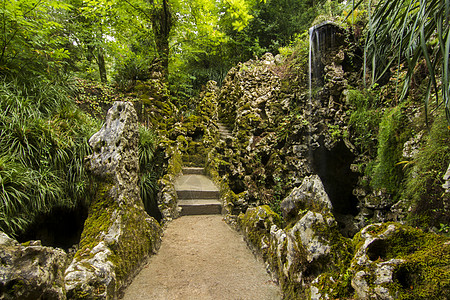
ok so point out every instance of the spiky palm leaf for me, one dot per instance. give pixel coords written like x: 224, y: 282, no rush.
x: 409, y: 32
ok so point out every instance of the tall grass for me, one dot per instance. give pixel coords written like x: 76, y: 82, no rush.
x: 43, y: 141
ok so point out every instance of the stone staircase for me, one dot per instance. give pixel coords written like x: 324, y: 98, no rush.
x: 223, y: 131
x: 197, y: 194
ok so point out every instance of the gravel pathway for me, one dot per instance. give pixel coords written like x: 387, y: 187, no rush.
x: 201, y: 257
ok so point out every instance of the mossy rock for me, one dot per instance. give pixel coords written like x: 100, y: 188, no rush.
x: 116, y: 239
x: 419, y: 261
x: 256, y: 224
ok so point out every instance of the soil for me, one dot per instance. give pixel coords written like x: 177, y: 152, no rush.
x: 201, y: 257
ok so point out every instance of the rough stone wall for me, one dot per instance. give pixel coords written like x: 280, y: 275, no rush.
x: 294, y: 155
x: 118, y: 234
x: 312, y: 260
x: 281, y: 135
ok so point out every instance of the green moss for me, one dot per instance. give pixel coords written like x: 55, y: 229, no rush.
x: 78, y: 293
x: 99, y: 219
x: 387, y: 174
x: 256, y: 224
x: 175, y: 164
x: 364, y: 126
x: 137, y: 238
x: 423, y: 189
x: 182, y: 143
x: 424, y: 274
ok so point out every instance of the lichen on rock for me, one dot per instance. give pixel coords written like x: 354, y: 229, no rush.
x: 118, y: 234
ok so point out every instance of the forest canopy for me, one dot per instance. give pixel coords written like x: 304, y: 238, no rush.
x: 118, y: 41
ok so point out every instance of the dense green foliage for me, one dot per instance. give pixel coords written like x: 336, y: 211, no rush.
x: 150, y: 170
x: 410, y: 32
x: 423, y: 188
x: 364, y: 120
x: 387, y: 173
x: 180, y: 44
x: 43, y: 145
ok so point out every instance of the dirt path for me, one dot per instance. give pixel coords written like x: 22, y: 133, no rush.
x: 202, y: 258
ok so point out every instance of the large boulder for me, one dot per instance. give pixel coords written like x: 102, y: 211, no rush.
x: 31, y: 271
x: 118, y: 234
x: 311, y: 195
x: 296, y: 255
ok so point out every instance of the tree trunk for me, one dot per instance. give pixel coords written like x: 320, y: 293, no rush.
x: 101, y: 65
x: 162, y: 24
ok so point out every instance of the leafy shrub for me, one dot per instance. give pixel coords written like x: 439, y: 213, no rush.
x: 150, y: 164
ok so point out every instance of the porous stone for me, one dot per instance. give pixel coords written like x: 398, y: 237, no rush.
x: 115, y: 154
x: 297, y: 255
x: 118, y: 234
x: 31, y: 271
x: 305, y: 229
x: 311, y: 195
x: 377, y: 273
x: 446, y: 185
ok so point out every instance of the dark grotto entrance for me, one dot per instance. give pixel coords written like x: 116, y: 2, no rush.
x: 61, y: 227
x: 333, y: 168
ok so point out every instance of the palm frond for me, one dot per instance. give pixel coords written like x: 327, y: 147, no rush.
x: 403, y: 31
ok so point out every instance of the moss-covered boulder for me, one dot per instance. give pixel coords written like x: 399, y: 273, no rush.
x: 395, y: 261
x: 310, y: 195
x: 256, y: 224
x: 298, y: 254
x: 118, y: 234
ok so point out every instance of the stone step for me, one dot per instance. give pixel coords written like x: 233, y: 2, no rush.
x: 193, y: 171
x: 223, y: 130
x: 197, y: 194
x: 194, y: 194
x: 200, y: 207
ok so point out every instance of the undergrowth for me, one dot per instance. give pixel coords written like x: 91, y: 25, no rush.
x: 44, y: 139
x: 424, y: 184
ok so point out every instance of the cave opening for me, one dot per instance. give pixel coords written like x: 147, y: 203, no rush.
x: 333, y: 168
x: 405, y: 277
x: 377, y: 250
x: 61, y: 227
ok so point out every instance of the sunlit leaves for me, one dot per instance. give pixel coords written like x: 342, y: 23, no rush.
x: 29, y: 34
x: 239, y: 12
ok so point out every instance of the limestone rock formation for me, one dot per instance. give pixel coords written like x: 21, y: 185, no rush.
x: 395, y: 261
x: 118, y: 234
x: 446, y: 185
x: 374, y: 249
x: 311, y: 194
x: 115, y: 151
x: 31, y: 271
x: 299, y: 253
